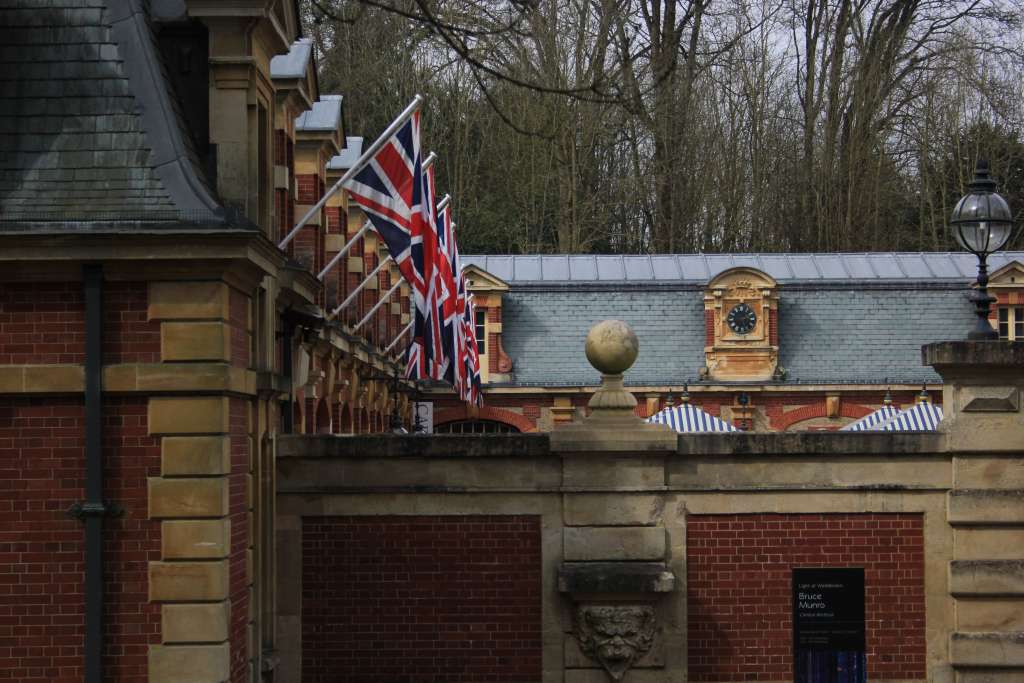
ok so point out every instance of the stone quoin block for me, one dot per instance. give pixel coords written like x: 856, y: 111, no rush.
x: 618, y: 509
x: 195, y: 539
x: 992, y: 506
x: 986, y: 577
x: 987, y: 544
x: 188, y: 341
x: 195, y: 455
x: 188, y: 301
x: 188, y: 581
x: 614, y: 543
x: 207, y: 497
x: 983, y: 676
x: 992, y: 614
x: 189, y: 663
x: 989, y: 472
x: 195, y: 623
x: 987, y: 649
x: 198, y: 415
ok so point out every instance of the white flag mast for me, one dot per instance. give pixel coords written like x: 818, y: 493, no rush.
x: 356, y: 167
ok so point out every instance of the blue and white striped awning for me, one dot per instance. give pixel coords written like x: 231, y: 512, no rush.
x: 923, y: 417
x: 872, y: 420
x: 687, y: 419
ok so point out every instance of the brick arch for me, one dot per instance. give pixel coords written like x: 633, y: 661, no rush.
x: 817, y: 409
x: 323, y: 417
x: 520, y: 422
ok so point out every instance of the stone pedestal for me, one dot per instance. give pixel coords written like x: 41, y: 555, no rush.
x: 984, y: 426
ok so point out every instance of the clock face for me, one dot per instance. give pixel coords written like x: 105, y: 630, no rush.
x: 741, y: 319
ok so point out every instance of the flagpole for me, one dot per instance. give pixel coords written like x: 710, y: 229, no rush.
x: 356, y: 167
x: 398, y: 338
x: 344, y: 250
x: 429, y: 161
x: 443, y: 203
x: 376, y: 307
x: 351, y: 297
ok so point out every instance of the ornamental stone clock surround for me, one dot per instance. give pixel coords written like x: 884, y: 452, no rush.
x: 744, y: 345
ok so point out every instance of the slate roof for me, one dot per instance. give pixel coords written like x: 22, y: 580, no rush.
x: 864, y: 328
x: 295, y: 63
x: 562, y: 270
x: 324, y: 116
x: 89, y: 130
x: 344, y: 161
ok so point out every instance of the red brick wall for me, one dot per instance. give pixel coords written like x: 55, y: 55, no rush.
x: 421, y: 599
x: 42, y: 323
x: 128, y: 337
x: 709, y: 328
x: 739, y: 589
x: 42, y: 550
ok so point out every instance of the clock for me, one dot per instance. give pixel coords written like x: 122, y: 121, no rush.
x: 741, y: 319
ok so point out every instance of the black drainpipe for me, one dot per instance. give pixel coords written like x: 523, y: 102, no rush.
x: 93, y: 509
x: 287, y: 332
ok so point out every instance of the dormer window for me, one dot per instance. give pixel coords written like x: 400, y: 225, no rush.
x: 1011, y: 323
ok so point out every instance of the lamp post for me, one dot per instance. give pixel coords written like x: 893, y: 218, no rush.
x: 982, y: 224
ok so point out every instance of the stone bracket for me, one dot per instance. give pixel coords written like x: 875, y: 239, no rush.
x: 580, y: 578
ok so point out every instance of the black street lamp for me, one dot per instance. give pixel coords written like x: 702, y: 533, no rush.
x: 982, y: 224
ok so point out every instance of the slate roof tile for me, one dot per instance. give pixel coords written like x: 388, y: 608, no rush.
x: 839, y: 322
x: 72, y: 142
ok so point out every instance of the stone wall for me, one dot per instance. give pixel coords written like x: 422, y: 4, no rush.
x: 635, y: 522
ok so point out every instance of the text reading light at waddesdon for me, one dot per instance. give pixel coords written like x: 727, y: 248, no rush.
x: 828, y: 626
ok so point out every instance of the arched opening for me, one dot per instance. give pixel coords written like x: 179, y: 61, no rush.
x: 323, y: 418
x: 344, y: 420
x: 297, y: 424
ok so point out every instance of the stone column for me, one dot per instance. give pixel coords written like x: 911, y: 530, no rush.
x: 621, y: 555
x: 984, y: 427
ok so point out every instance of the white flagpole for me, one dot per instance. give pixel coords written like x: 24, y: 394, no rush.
x: 356, y: 167
x: 344, y: 250
x: 398, y: 338
x: 351, y: 297
x: 443, y: 203
x: 429, y: 161
x: 376, y: 306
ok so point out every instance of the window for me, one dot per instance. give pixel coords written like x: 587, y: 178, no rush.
x: 481, y: 335
x: 475, y: 427
x: 1011, y: 323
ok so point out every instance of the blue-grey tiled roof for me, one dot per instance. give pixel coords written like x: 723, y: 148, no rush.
x: 88, y: 127
x: 324, y: 116
x: 864, y: 327
x: 543, y: 333
x: 829, y: 336
x: 344, y: 161
x: 295, y: 63
x: 699, y: 268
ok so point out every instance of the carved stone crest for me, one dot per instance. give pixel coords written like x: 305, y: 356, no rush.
x: 615, y: 636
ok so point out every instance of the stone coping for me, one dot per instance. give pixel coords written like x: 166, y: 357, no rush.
x: 868, y: 444
x: 979, y: 353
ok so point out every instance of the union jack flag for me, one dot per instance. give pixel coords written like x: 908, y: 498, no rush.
x: 473, y: 389
x: 397, y: 198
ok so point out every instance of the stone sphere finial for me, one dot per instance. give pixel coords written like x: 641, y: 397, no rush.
x: 612, y: 347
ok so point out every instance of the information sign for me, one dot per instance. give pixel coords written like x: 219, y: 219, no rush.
x: 828, y: 626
